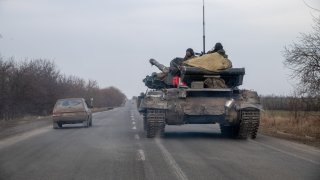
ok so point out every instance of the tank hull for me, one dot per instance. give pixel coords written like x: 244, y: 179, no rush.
x: 181, y: 106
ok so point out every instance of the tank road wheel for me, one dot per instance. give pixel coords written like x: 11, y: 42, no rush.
x: 155, y: 123
x: 249, y: 123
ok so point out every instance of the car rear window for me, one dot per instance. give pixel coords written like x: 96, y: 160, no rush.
x: 69, y: 103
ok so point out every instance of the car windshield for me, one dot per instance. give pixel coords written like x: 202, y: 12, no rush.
x: 69, y: 103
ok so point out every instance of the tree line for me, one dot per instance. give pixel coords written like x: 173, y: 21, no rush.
x: 290, y: 103
x: 32, y: 87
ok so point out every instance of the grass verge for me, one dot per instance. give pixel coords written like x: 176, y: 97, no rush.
x: 299, y: 126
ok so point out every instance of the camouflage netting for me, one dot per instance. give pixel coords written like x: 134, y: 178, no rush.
x: 210, y: 62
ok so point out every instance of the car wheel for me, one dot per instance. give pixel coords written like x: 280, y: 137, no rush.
x: 56, y: 125
x: 90, y: 124
x: 86, y: 123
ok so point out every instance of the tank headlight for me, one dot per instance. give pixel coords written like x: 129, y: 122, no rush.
x: 229, y: 103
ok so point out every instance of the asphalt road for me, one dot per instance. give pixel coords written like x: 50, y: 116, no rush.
x: 116, y: 148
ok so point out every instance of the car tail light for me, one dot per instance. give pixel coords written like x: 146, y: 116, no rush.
x: 55, y: 114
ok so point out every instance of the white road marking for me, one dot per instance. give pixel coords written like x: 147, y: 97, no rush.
x: 140, y: 155
x: 134, y: 127
x: 15, y: 139
x: 133, y: 123
x: 172, y: 163
x: 285, y: 152
x: 136, y: 136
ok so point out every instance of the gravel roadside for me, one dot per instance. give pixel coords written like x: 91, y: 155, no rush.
x: 19, y: 126
x: 311, y: 141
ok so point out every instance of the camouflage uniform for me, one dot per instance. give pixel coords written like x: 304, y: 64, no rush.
x: 216, y: 82
x: 219, y: 49
x: 176, y: 62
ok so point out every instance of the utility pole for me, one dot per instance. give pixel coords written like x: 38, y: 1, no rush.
x: 204, y: 33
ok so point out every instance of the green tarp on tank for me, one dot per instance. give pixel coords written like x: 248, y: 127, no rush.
x: 210, y: 62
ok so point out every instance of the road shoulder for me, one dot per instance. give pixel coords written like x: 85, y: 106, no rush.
x: 23, y: 125
x: 291, y: 137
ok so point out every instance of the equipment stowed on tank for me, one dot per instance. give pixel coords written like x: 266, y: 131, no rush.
x: 199, y: 97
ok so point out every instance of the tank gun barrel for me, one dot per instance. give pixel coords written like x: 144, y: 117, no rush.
x: 161, y: 67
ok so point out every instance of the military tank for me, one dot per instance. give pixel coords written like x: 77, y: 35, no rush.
x: 190, y: 99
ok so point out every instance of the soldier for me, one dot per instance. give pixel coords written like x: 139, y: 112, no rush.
x: 189, y: 54
x: 219, y: 49
x: 176, y: 62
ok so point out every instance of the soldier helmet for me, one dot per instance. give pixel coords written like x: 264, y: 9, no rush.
x: 191, y: 51
x: 218, y: 46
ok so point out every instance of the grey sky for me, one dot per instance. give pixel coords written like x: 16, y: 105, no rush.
x: 112, y: 41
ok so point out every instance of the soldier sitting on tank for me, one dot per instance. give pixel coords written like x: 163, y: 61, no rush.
x: 176, y: 62
x: 219, y: 49
x: 216, y: 82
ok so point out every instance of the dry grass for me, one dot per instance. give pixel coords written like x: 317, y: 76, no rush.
x: 302, y: 124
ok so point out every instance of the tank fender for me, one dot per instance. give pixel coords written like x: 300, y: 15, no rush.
x: 153, y: 102
x: 248, y: 105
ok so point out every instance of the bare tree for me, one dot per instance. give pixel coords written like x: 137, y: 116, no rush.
x: 32, y: 88
x: 303, y: 59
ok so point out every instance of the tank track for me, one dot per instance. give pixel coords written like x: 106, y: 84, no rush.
x: 255, y: 125
x: 155, y: 123
x: 144, y: 121
x: 249, y: 124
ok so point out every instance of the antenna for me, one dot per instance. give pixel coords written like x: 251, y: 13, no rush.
x: 204, y: 33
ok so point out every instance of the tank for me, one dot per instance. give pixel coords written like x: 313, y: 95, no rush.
x: 199, y: 96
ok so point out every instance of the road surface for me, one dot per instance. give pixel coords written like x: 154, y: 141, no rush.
x: 116, y: 148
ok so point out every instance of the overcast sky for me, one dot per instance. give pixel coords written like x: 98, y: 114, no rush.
x: 112, y: 41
